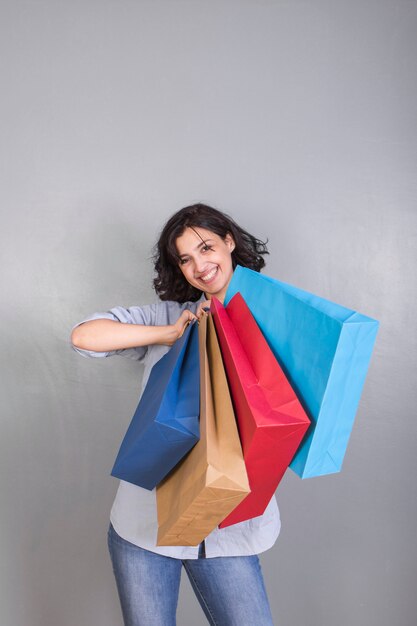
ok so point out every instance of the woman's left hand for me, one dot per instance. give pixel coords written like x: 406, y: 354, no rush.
x: 200, y: 309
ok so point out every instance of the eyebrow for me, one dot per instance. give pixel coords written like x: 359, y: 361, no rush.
x: 203, y: 243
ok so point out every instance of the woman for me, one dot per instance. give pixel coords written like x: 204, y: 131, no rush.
x: 195, y: 256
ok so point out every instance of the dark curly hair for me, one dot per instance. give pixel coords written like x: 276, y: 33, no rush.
x: 170, y: 283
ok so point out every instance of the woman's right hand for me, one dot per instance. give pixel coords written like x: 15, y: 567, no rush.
x: 181, y: 324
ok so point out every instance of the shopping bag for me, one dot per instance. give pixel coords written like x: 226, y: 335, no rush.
x: 270, y: 418
x: 211, y: 480
x: 165, y: 425
x: 324, y: 349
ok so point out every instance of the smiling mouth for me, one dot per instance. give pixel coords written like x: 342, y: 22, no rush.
x: 207, y: 278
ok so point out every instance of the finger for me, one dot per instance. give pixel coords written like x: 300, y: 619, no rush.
x: 184, y: 322
x: 187, y: 316
x: 206, y: 306
x: 190, y: 315
x: 183, y: 329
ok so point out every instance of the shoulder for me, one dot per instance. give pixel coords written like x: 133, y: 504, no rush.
x: 159, y: 313
x: 168, y: 311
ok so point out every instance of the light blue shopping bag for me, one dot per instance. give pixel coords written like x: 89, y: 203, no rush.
x: 324, y: 349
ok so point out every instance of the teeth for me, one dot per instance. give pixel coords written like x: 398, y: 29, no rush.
x: 209, y: 276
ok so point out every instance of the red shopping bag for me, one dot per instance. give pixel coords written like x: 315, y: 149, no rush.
x: 270, y: 418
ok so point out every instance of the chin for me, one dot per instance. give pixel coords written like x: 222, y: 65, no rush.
x: 217, y: 292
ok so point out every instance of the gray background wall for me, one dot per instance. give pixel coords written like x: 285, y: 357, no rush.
x: 299, y: 119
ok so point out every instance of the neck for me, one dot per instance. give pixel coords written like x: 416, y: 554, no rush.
x: 220, y: 296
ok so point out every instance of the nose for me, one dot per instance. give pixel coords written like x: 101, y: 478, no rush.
x: 200, y: 265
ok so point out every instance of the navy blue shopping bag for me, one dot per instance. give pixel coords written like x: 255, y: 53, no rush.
x: 165, y: 425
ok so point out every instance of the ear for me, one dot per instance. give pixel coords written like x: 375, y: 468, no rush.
x: 230, y: 242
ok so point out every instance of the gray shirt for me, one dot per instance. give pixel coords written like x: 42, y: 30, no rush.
x: 133, y: 513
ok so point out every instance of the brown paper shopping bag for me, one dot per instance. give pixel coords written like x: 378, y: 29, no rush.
x: 211, y: 480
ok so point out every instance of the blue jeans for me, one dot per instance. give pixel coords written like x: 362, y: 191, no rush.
x: 230, y: 590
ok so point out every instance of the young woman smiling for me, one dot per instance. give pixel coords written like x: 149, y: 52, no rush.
x: 195, y: 257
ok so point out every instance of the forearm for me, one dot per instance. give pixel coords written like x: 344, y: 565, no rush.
x: 105, y: 335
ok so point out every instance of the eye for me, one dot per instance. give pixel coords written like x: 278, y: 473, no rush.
x: 183, y: 261
x: 206, y: 247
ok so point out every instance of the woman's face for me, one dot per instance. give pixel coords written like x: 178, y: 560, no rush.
x: 205, y: 260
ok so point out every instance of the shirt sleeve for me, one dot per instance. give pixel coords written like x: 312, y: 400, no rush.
x: 146, y: 315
